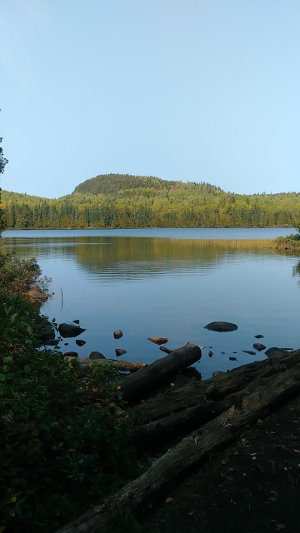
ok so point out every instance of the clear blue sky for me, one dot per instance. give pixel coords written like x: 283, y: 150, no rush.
x: 178, y: 89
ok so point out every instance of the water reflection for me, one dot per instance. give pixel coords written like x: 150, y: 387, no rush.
x: 133, y: 257
x: 170, y: 288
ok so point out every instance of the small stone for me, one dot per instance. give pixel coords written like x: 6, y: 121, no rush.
x: 71, y: 354
x: 250, y: 352
x: 259, y: 336
x: 158, y: 340
x: 76, y: 321
x: 259, y: 347
x: 118, y: 334
x: 96, y: 355
x: 120, y: 351
x: 210, y: 353
x: 80, y: 342
x: 233, y: 358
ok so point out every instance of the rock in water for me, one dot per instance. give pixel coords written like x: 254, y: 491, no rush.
x: 80, y: 342
x: 259, y: 346
x: 71, y: 354
x: 259, y: 336
x: 250, y: 352
x: 221, y: 326
x: 69, y: 330
x: 158, y: 340
x: 96, y: 355
x: 118, y: 334
x: 119, y: 352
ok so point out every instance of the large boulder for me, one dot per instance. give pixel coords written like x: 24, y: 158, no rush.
x: 69, y: 330
x: 221, y: 326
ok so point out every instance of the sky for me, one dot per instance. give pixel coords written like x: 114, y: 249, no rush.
x: 192, y: 90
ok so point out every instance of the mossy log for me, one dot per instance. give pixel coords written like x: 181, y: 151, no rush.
x: 269, y: 393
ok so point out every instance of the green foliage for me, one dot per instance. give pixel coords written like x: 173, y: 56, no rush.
x: 17, y: 275
x: 65, y: 438
x: 115, y: 201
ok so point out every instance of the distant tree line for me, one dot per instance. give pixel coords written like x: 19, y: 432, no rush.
x: 124, y: 201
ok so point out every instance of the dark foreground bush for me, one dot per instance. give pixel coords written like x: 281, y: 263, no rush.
x: 65, y: 440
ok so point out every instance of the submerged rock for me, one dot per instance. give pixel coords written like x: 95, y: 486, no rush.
x: 120, y: 351
x: 259, y: 346
x: 221, y: 326
x: 210, y: 353
x: 69, y: 330
x: 259, y: 336
x: 232, y: 358
x: 250, y: 352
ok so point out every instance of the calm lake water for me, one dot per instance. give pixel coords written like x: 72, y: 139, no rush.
x: 169, y: 283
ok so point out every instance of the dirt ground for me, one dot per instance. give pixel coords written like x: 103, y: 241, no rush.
x: 253, y: 486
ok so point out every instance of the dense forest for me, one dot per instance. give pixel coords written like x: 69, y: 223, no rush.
x: 115, y: 201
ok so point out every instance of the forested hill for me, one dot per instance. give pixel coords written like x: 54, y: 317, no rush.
x: 114, y: 183
x: 115, y: 201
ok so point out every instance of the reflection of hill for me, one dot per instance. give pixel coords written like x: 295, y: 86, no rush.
x: 132, y: 257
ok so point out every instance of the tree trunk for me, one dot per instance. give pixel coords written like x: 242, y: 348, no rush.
x: 150, y: 377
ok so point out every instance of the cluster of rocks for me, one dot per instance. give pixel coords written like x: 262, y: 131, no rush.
x: 69, y: 330
x: 229, y: 326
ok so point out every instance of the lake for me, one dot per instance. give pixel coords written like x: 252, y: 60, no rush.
x: 169, y: 283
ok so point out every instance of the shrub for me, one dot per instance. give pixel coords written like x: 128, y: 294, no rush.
x: 17, y: 275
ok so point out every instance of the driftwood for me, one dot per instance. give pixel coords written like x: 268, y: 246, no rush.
x: 150, y: 377
x: 268, y: 392
x: 126, y: 366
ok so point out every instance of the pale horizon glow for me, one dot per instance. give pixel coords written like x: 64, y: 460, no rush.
x: 191, y: 90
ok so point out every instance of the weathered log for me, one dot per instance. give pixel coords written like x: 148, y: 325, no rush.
x: 126, y: 366
x: 269, y: 393
x: 216, y: 388
x: 150, y: 377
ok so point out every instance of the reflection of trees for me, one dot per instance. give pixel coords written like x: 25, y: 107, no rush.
x: 132, y: 257
x: 296, y: 269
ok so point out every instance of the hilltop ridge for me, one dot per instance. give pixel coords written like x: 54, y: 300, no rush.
x: 128, y: 201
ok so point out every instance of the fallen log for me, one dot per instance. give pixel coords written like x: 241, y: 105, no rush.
x: 150, y: 377
x: 216, y: 388
x: 270, y: 392
x: 126, y: 366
